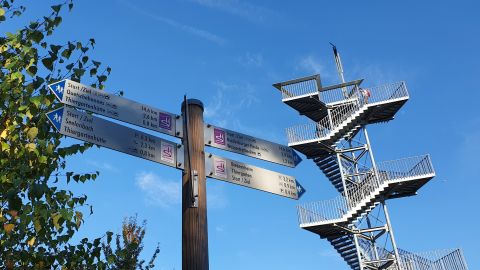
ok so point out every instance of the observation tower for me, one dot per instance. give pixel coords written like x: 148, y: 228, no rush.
x: 357, y: 222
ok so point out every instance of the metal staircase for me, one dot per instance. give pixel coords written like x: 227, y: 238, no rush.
x: 337, y: 141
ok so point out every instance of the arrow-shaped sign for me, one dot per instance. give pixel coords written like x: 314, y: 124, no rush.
x: 253, y: 177
x: 250, y: 146
x: 113, y: 106
x: 85, y: 127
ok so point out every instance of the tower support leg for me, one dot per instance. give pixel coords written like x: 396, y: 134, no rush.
x: 392, y: 237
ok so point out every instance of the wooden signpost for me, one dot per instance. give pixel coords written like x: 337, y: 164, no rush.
x: 190, y: 156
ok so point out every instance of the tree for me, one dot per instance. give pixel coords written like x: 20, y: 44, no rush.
x: 127, y: 251
x: 37, y: 218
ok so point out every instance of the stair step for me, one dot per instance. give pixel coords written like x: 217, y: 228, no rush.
x: 325, y: 165
x: 333, y: 173
x: 321, y: 162
x: 331, y: 168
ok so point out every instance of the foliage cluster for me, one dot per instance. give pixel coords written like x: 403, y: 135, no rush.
x: 37, y: 218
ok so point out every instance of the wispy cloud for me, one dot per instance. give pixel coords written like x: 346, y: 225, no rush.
x: 239, y: 8
x: 314, y: 65
x: 175, y: 24
x: 159, y: 191
x: 101, y: 165
x: 251, y: 59
x: 229, y: 101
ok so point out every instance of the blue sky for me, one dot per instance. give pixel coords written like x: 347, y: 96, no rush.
x: 228, y: 53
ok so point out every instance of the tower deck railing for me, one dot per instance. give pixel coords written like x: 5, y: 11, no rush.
x: 345, y: 102
x: 299, y: 87
x: 387, y: 171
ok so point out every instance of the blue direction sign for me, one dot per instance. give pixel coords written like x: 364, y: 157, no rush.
x: 113, y: 106
x: 89, y: 128
x: 250, y: 146
x: 253, y: 177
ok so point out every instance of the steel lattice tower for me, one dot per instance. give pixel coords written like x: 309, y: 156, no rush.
x: 357, y: 223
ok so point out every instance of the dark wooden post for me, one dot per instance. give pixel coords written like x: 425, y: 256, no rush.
x: 194, y: 218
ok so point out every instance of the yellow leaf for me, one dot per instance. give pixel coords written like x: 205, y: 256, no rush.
x: 78, y: 218
x: 3, y: 135
x: 2, y: 11
x: 32, y: 133
x: 30, y: 147
x: 50, y: 148
x: 29, y: 114
x: 31, y: 241
x: 55, y: 218
x: 8, y: 227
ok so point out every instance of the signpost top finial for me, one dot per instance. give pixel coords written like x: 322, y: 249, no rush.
x: 195, y: 102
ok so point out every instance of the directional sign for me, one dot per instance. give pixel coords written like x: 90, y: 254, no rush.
x: 85, y: 127
x: 110, y: 105
x: 250, y: 146
x: 253, y: 177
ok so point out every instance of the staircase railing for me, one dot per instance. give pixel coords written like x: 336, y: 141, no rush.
x: 323, y: 128
x: 387, y: 171
x: 344, y: 107
x: 433, y: 260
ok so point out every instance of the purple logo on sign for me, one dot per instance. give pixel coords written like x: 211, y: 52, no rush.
x: 219, y: 136
x: 165, y: 121
x: 220, y: 168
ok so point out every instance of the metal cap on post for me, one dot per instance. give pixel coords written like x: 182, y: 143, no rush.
x: 194, y: 205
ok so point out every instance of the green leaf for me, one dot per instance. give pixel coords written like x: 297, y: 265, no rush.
x: 5, y: 146
x: 36, y: 36
x: 57, y: 21
x: 33, y: 25
x: 55, y: 48
x: 43, y: 159
x: 111, y: 259
x: 37, y: 225
x: 32, y: 133
x: 17, y: 76
x: 102, y: 78
x: 48, y: 63
x: 56, y: 8
x: 66, y: 53
x: 36, y: 101
x: 79, y: 72
x: 32, y: 70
